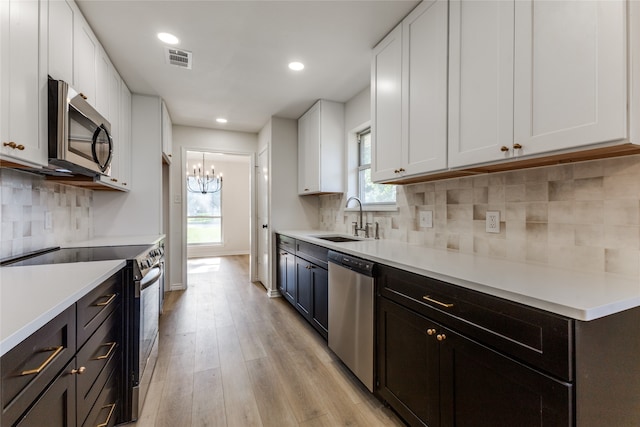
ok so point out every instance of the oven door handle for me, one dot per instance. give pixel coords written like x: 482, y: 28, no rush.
x: 151, y: 277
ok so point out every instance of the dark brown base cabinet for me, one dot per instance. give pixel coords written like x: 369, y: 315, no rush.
x: 303, y: 280
x: 69, y: 372
x: 463, y: 364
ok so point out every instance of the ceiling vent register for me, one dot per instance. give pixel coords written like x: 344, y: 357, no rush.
x: 179, y: 58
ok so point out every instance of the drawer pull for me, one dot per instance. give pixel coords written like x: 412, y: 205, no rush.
x: 106, y: 356
x: 444, y: 304
x: 106, y: 423
x: 107, y: 302
x: 56, y: 351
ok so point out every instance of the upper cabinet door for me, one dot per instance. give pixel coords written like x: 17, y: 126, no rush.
x: 85, y: 55
x: 570, y: 74
x: 61, y: 40
x: 481, y: 46
x: 424, y: 114
x: 167, y: 135
x: 386, y: 102
x: 23, y: 104
x: 309, y: 151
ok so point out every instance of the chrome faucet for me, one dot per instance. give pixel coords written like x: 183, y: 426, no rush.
x: 361, y: 226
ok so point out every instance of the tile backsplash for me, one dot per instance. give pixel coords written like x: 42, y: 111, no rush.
x: 25, y: 198
x: 582, y: 216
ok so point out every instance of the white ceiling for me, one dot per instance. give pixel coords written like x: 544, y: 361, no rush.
x: 240, y: 53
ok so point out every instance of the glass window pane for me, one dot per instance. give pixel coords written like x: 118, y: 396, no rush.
x: 199, y: 204
x: 365, y: 148
x: 204, y: 231
x: 375, y: 193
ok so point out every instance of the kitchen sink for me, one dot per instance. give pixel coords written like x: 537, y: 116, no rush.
x: 338, y: 239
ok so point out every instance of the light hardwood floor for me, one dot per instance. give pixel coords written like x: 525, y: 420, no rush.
x: 230, y: 356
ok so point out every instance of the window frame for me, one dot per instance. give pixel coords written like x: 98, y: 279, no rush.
x: 220, y: 217
x: 363, y: 167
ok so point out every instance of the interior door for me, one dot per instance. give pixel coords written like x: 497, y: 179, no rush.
x: 263, y: 217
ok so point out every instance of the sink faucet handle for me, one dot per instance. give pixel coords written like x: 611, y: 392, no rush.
x: 355, y: 228
x: 377, y: 235
x: 366, y: 229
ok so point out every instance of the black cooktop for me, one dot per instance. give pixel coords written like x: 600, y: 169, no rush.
x: 67, y: 255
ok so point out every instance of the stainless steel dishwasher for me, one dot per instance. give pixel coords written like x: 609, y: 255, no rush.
x: 351, y: 313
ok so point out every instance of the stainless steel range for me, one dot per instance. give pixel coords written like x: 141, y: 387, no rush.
x: 144, y: 278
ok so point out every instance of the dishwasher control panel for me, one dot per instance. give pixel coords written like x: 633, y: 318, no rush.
x: 359, y: 265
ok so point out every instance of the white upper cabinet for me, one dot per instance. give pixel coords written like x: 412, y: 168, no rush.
x: 533, y: 77
x: 570, y: 74
x: 386, y: 103
x: 85, y: 55
x: 481, y: 43
x: 103, y: 82
x: 23, y: 100
x: 409, y: 96
x: 424, y: 77
x: 167, y: 135
x: 321, y: 149
x: 61, y: 14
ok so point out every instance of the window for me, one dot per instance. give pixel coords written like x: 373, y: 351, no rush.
x: 204, y: 217
x: 368, y: 192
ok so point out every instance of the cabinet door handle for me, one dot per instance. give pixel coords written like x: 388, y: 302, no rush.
x: 504, y: 148
x: 82, y: 95
x: 283, y: 253
x: 78, y: 371
x: 106, y: 423
x: 517, y: 146
x: 107, y: 302
x: 106, y: 356
x: 56, y: 351
x: 441, y: 337
x: 169, y: 155
x: 114, y: 180
x: 401, y: 170
x: 443, y: 304
x: 13, y: 145
x: 431, y: 332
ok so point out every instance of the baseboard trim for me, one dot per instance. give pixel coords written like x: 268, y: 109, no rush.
x: 176, y: 287
x: 273, y: 293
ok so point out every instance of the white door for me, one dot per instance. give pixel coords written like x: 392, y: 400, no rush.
x: 481, y: 43
x: 262, y: 205
x: 570, y: 74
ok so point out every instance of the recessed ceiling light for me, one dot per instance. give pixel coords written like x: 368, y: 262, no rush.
x: 296, y: 66
x: 168, y: 38
x: 221, y: 120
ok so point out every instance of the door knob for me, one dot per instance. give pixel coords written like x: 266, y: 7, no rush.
x: 264, y: 225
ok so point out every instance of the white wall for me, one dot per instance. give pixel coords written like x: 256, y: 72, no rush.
x: 236, y: 210
x: 195, y: 139
x: 138, y: 212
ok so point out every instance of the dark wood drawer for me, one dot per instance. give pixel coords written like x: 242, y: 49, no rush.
x: 540, y: 338
x: 29, y: 368
x: 96, y: 306
x: 312, y: 253
x: 286, y: 243
x: 99, y: 357
x: 106, y: 410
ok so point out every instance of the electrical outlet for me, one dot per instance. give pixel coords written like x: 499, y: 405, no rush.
x: 493, y: 222
x: 426, y: 219
x: 48, y: 220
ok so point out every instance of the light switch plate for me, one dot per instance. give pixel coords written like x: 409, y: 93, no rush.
x: 493, y: 222
x: 426, y: 219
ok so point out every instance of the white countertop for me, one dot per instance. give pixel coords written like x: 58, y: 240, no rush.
x: 31, y: 296
x: 116, y: 241
x: 581, y: 296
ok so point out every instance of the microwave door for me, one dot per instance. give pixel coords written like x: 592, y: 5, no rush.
x: 102, y: 148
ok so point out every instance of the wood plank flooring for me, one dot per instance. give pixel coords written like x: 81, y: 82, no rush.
x: 230, y: 356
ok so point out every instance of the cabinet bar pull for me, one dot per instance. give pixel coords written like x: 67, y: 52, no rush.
x: 444, y: 304
x: 106, y: 356
x: 106, y: 423
x: 82, y: 95
x: 504, y: 148
x: 107, y: 302
x: 56, y: 351
x: 517, y: 146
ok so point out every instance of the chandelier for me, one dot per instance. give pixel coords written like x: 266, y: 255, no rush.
x: 204, y: 183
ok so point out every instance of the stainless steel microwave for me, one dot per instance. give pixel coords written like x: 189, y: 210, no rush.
x: 79, y: 137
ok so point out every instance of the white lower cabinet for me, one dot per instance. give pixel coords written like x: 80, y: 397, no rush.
x: 23, y: 77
